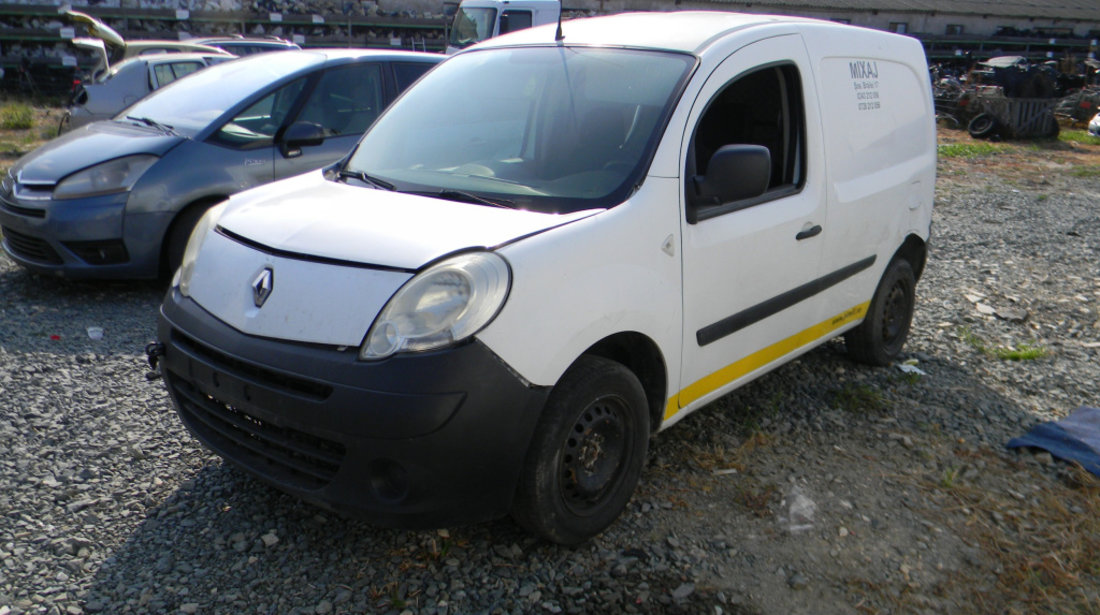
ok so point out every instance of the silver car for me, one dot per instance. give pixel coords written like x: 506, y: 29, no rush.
x: 118, y: 199
x: 129, y: 81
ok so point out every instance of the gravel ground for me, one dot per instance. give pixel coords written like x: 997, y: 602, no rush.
x: 824, y: 487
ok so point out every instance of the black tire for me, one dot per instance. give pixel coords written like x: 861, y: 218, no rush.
x: 63, y: 125
x: 175, y: 242
x: 879, y: 338
x: 587, y: 453
x: 982, y: 126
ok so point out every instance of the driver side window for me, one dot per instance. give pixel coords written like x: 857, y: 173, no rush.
x: 761, y: 108
x: 257, y: 125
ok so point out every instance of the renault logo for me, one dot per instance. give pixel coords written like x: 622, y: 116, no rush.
x: 262, y: 286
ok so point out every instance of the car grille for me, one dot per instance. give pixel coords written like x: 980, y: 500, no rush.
x: 288, y: 455
x: 30, y: 248
x: 254, y: 373
x: 23, y: 211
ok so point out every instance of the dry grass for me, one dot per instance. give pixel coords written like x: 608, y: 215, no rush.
x: 19, y: 141
x: 1044, y: 535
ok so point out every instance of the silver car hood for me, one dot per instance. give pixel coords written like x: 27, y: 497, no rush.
x: 90, y: 145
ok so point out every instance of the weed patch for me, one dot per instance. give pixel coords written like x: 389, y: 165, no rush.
x: 859, y: 399
x: 16, y: 116
x: 1021, y: 352
x: 969, y: 150
x: 1078, y: 136
x: 1087, y: 171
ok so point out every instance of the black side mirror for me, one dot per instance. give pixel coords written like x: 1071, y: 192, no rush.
x: 299, y: 135
x: 734, y: 172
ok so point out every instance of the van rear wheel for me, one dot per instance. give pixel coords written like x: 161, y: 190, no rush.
x: 879, y: 338
x: 587, y: 453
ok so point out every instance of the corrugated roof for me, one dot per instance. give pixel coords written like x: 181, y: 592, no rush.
x: 1078, y: 10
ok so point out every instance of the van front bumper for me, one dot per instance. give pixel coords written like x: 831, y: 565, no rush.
x: 424, y: 440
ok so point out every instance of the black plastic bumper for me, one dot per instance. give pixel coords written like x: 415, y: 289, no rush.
x: 422, y: 440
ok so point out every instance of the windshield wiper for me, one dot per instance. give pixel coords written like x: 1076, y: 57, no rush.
x: 365, y: 178
x: 468, y: 197
x: 148, y: 121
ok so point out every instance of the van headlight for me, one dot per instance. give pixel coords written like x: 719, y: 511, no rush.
x: 118, y: 175
x: 206, y: 223
x: 442, y: 305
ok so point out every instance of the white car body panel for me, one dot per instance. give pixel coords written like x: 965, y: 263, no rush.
x: 612, y: 271
x: 226, y: 270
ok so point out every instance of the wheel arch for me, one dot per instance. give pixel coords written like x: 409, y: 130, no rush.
x: 204, y: 202
x: 915, y: 250
x: 643, y: 357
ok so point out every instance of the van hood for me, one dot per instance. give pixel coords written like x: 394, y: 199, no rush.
x: 88, y: 146
x: 311, y: 216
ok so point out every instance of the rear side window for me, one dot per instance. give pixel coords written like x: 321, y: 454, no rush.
x: 405, y: 73
x: 167, y: 73
x: 510, y: 21
x: 762, y: 107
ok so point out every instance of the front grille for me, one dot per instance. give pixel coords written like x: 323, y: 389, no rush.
x: 23, y: 211
x: 30, y: 248
x: 269, y: 378
x: 288, y: 455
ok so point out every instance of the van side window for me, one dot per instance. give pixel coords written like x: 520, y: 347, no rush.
x: 513, y: 20
x: 756, y: 113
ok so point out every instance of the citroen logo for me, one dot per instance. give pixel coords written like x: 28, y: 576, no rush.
x: 262, y: 286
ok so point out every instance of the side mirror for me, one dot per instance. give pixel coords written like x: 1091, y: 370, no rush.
x: 734, y: 172
x: 299, y: 135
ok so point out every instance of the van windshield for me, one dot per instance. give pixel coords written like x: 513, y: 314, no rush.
x: 553, y: 129
x: 471, y: 25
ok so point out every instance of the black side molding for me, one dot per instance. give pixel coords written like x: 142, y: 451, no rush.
x: 731, y: 324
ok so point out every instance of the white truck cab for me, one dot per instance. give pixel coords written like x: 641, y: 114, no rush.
x: 547, y: 251
x: 477, y: 20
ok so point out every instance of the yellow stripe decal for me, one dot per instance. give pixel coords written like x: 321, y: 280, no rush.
x: 760, y: 358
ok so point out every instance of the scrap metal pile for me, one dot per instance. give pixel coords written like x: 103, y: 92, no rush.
x: 1008, y: 97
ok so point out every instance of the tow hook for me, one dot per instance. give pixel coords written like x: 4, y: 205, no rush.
x: 153, y: 351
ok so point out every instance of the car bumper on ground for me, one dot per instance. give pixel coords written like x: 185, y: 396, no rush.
x: 83, y: 238
x: 423, y: 440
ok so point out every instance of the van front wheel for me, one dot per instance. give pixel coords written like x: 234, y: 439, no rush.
x: 879, y: 338
x: 587, y: 453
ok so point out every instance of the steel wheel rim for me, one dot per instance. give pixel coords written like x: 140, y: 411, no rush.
x: 894, y: 314
x: 593, y: 455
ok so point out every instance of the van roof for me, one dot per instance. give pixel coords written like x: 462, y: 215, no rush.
x: 689, y: 31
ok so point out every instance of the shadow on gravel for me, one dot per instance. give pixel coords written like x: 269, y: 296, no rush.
x: 225, y: 543
x: 869, y: 446
x: 43, y: 313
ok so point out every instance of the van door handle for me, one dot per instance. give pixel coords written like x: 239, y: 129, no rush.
x: 807, y: 233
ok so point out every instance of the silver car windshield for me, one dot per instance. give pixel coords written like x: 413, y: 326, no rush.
x: 189, y: 105
x: 554, y: 129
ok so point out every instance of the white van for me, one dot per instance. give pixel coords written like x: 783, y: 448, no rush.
x: 548, y: 250
x: 477, y: 20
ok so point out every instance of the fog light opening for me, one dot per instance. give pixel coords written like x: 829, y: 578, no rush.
x: 388, y: 480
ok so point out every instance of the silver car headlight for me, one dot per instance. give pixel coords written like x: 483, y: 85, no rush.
x: 442, y: 305
x: 118, y: 175
x: 206, y: 223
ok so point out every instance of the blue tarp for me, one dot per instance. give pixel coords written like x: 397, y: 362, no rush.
x: 1074, y: 438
